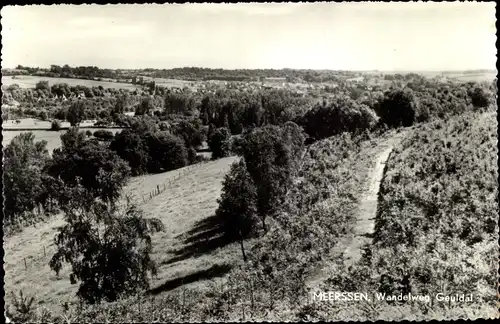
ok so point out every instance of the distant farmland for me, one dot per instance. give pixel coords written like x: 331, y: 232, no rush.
x: 29, y: 81
x: 53, y: 138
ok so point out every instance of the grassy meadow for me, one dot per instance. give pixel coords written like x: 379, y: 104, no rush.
x: 53, y: 138
x: 30, y: 81
x: 181, y: 251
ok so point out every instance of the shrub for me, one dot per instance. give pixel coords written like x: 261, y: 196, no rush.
x: 55, y: 125
x: 43, y: 115
x: 479, y: 97
x: 23, y: 306
x: 104, y: 135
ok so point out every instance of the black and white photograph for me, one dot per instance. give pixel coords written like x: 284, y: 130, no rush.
x: 249, y: 162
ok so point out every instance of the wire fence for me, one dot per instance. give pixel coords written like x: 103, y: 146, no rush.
x: 46, y: 252
x: 161, y: 188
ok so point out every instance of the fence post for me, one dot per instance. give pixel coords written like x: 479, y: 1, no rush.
x: 44, y: 253
x: 25, y: 265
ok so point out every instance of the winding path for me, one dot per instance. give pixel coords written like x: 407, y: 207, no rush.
x: 351, y: 246
x: 365, y: 223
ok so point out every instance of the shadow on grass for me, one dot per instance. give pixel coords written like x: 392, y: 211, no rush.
x: 205, y: 237
x: 212, y: 272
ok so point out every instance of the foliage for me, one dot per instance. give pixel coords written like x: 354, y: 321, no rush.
x: 76, y: 113
x: 191, y: 131
x: 340, y: 115
x: 24, y: 160
x: 104, y: 135
x: 479, y: 98
x: 23, y: 306
x: 131, y: 147
x: 436, y: 228
x: 271, y: 155
x: 166, y: 152
x: 237, y: 205
x: 85, y: 162
x: 55, y: 125
x: 144, y: 107
x: 42, y: 85
x: 397, y: 108
x: 220, y: 143
x: 179, y: 103
x: 108, y: 248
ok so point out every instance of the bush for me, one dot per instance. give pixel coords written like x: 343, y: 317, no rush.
x: 23, y: 306
x: 43, y: 115
x: 479, y: 98
x: 88, y: 133
x: 55, y: 125
x: 104, y: 135
x: 101, y: 123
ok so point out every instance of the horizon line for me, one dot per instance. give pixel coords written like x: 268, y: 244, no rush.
x: 283, y: 68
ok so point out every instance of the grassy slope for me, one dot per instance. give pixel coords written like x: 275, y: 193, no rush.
x: 435, y: 230
x: 187, y: 201
x: 330, y: 184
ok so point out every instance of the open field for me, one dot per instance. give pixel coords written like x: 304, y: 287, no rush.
x: 53, y: 138
x: 456, y: 75
x: 186, y: 252
x: 29, y: 81
x: 32, y: 123
x: 475, y: 77
x: 169, y: 83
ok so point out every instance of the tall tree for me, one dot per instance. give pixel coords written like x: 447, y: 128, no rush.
x: 220, y: 143
x: 24, y: 160
x: 270, y: 161
x: 237, y: 210
x: 166, y: 152
x: 398, y: 108
x: 76, y: 112
x: 131, y: 147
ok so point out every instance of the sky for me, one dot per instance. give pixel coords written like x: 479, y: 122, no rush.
x: 338, y: 36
